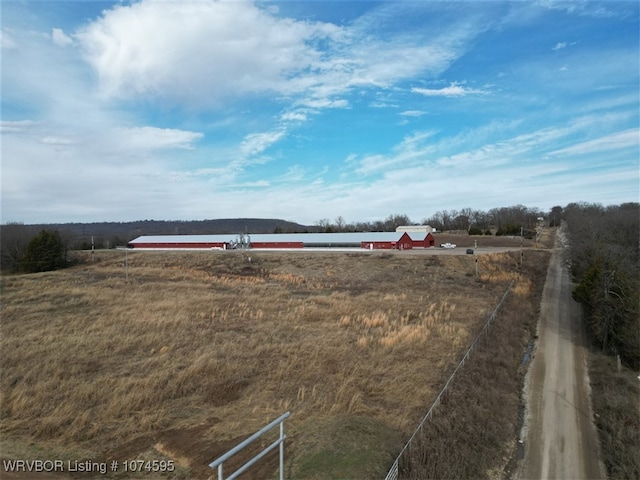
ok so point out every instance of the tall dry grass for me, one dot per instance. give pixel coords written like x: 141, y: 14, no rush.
x: 90, y: 361
x: 474, y: 431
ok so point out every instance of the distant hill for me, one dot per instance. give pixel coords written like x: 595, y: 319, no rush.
x: 119, y: 233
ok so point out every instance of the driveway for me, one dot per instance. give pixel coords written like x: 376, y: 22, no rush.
x: 559, y: 436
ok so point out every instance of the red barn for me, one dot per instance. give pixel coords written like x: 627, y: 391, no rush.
x: 422, y: 240
x: 387, y: 241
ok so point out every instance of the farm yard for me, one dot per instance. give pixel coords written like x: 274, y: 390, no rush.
x: 195, y: 351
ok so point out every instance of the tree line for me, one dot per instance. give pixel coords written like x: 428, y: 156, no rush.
x: 23, y: 250
x: 16, y: 236
x: 340, y: 225
x: 17, y: 255
x: 514, y: 220
x: 604, y: 245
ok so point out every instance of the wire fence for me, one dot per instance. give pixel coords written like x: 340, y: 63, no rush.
x: 394, y: 471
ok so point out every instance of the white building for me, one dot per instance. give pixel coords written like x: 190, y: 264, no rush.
x: 416, y: 229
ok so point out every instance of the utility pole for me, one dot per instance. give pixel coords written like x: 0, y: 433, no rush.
x: 475, y: 250
x: 521, y: 244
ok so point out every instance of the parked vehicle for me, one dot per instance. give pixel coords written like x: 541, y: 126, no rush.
x: 447, y: 245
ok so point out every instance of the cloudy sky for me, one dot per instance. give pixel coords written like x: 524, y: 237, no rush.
x: 305, y: 110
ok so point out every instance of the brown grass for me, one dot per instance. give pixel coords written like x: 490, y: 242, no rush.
x: 473, y: 432
x: 211, y: 342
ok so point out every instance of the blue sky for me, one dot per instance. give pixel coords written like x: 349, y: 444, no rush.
x: 306, y: 110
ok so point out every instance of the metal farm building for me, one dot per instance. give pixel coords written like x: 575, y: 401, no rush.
x: 363, y: 240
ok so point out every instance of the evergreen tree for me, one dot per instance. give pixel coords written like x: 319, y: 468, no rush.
x: 45, y: 252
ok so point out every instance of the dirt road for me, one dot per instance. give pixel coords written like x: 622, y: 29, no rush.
x: 559, y: 436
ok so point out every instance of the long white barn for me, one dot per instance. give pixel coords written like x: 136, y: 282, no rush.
x: 366, y: 240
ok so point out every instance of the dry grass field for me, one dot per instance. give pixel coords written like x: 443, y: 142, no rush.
x: 197, y: 350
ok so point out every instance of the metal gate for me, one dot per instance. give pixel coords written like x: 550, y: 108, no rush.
x: 279, y: 442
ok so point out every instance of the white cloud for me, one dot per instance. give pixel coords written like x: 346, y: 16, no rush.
x: 480, y: 149
x: 382, y: 104
x: 381, y: 64
x: 615, y: 141
x: 16, y: 126
x: 585, y: 8
x: 51, y: 140
x: 563, y: 45
x: 453, y: 90
x: 413, y: 113
x: 6, y: 41
x: 294, y: 174
x: 152, y: 138
x: 413, y: 148
x: 256, y: 143
x: 425, y: 48
x: 204, y: 53
x: 324, y: 103
x: 60, y: 38
x: 296, y: 116
x: 415, y: 140
x: 200, y: 51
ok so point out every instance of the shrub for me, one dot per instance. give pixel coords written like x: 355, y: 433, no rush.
x: 509, y: 230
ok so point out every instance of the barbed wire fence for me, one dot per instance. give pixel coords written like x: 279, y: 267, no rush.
x: 394, y: 470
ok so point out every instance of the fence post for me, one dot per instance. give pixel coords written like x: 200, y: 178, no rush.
x: 282, y: 450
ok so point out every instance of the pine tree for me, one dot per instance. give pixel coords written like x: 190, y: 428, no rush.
x: 45, y: 252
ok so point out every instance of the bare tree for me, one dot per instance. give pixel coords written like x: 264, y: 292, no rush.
x: 605, y: 262
x: 15, y: 239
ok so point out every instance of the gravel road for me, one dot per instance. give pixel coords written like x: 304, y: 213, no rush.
x: 559, y: 436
